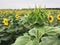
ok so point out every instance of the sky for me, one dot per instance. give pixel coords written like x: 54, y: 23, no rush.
x: 20, y: 4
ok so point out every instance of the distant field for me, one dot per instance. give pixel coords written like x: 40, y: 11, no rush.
x: 24, y: 11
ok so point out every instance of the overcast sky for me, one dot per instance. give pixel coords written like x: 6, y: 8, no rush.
x: 19, y: 4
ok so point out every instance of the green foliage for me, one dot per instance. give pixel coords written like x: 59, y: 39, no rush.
x: 50, y: 40
x: 38, y: 16
x: 13, y: 30
x: 37, y: 34
x: 30, y: 29
x: 22, y: 40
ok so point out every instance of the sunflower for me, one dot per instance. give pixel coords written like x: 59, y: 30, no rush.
x: 58, y: 17
x: 50, y: 19
x: 5, y: 21
x: 16, y: 16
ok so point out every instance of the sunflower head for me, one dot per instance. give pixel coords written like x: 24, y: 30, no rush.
x: 16, y: 16
x: 50, y: 19
x: 5, y: 21
x: 58, y: 17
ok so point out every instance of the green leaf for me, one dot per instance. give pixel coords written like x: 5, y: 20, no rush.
x: 30, y: 43
x: 40, y: 31
x: 53, y: 31
x: 50, y: 40
x: 35, y: 42
x: 35, y: 32
x: 22, y: 40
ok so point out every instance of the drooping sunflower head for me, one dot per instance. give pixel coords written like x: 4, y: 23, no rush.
x: 5, y: 21
x: 58, y: 17
x: 51, y: 19
x: 16, y: 16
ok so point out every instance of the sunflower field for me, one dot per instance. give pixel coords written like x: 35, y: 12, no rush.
x: 33, y: 27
